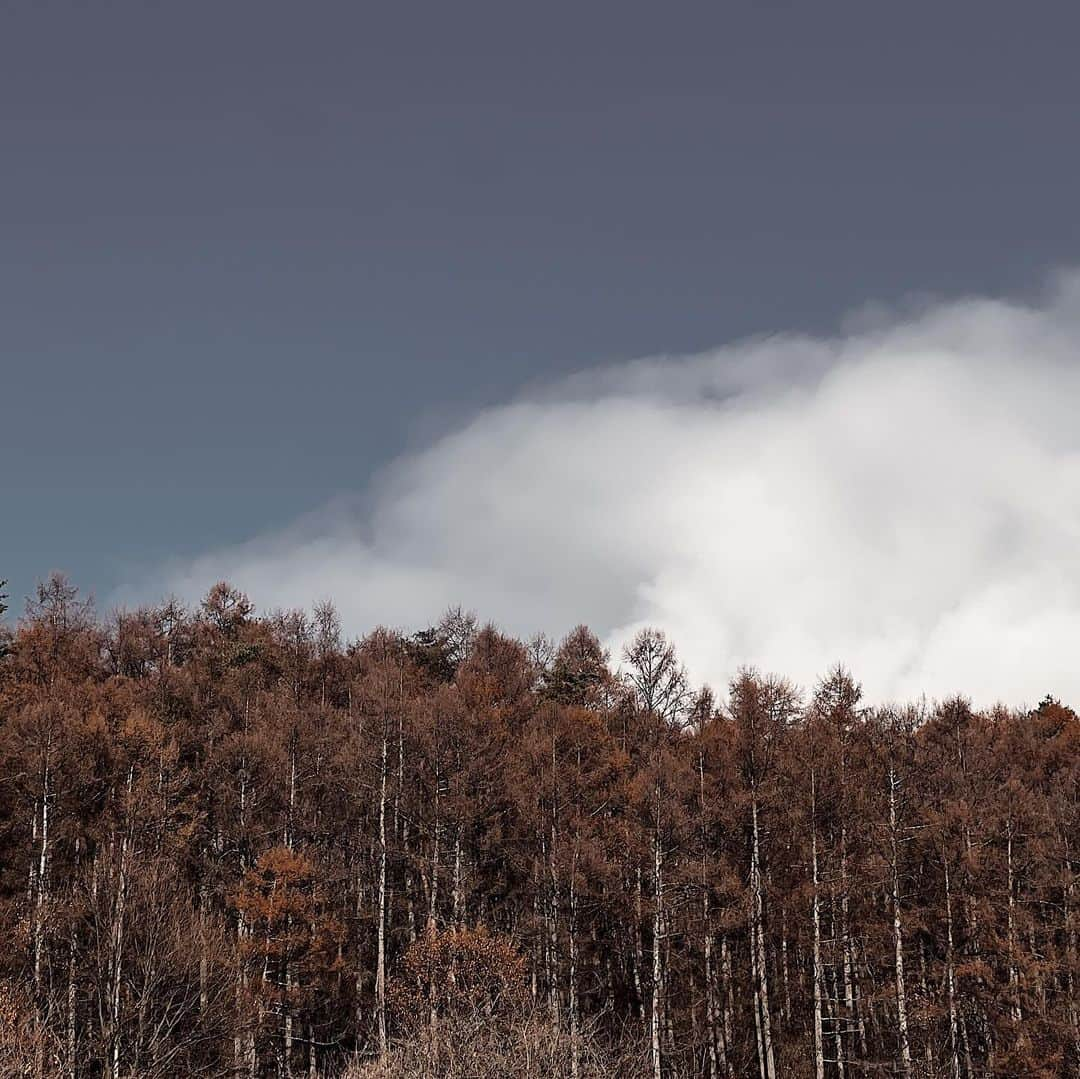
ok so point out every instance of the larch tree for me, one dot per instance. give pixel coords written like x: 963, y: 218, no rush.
x: 233, y: 844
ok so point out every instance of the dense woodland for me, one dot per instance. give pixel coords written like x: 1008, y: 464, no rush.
x: 235, y: 845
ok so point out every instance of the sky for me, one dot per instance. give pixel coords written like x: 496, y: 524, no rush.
x: 288, y: 289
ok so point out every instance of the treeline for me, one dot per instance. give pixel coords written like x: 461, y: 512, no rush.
x: 236, y: 846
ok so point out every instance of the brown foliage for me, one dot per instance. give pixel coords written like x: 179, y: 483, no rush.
x: 232, y: 846
x: 459, y: 972
x: 471, y: 1046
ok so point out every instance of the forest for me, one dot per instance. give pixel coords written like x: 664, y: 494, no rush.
x: 236, y: 844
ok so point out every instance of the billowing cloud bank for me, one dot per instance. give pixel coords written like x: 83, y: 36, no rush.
x: 904, y: 498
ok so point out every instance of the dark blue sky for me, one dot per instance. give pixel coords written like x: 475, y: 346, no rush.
x: 251, y: 251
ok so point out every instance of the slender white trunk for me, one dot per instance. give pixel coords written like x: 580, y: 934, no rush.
x: 757, y: 944
x: 553, y: 926
x: 458, y: 897
x: 71, y: 997
x: 547, y: 956
x: 898, y: 936
x: 833, y: 991
x: 845, y: 945
x: 729, y: 1004
x: 289, y: 814
x: 1071, y: 956
x: 819, y: 1034
x: 717, y: 1065
x: 400, y: 830
x: 950, y: 980
x: 239, y: 987
x: 658, y: 921
x: 117, y: 962
x: 553, y: 894
x: 204, y: 968
x: 785, y: 974
x: 288, y: 1016
x: 42, y: 874
x: 1014, y: 976
x: 433, y: 898
x: 715, y: 1049
x: 380, y: 968
x: 757, y: 1010
x: 572, y: 1003
x: 639, y: 950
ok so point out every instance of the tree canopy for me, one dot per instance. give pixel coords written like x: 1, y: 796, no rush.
x: 235, y: 845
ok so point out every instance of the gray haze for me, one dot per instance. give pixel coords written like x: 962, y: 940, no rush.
x: 252, y: 252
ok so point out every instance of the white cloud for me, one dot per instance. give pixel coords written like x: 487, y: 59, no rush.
x: 904, y: 498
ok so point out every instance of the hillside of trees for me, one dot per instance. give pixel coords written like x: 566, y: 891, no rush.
x: 237, y: 845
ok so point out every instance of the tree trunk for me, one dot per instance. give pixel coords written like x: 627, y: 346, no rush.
x: 553, y: 928
x: 657, y: 963
x: 291, y: 807
x: 903, y: 1041
x: 785, y: 974
x: 204, y: 970
x: 433, y: 897
x: 754, y: 981
x: 729, y: 1005
x: 819, y: 1034
x: 458, y: 898
x: 950, y: 980
x: 380, y: 966
x: 572, y: 1001
x: 767, y: 1060
x: 71, y: 995
x: 1071, y: 956
x: 41, y: 876
x: 287, y: 1016
x: 711, y: 1032
x: 639, y: 949
x: 716, y: 1051
x: 1014, y: 976
x: 116, y: 965
x: 717, y: 1064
